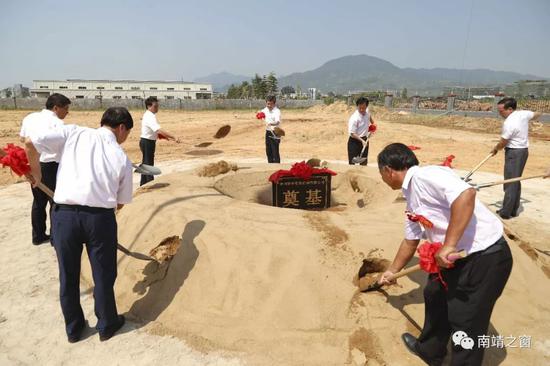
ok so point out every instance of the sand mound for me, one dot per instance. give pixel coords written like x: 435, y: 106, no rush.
x: 276, y: 284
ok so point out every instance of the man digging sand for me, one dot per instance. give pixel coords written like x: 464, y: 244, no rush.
x: 461, y: 296
x: 94, y: 178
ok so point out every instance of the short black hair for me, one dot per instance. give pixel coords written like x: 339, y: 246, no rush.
x: 115, y: 116
x: 58, y: 100
x: 271, y: 98
x: 149, y: 101
x: 509, y: 103
x: 397, y: 156
x: 362, y: 100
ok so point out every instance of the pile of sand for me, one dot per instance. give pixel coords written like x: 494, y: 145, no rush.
x: 214, y: 169
x: 336, y: 107
x: 277, y: 284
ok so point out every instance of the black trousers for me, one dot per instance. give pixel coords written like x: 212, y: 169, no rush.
x: 354, y: 149
x: 147, y: 148
x: 474, y: 285
x: 272, y: 147
x: 40, y: 201
x: 514, y: 163
x: 97, y: 228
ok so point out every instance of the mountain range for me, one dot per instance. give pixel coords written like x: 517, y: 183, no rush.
x: 363, y: 72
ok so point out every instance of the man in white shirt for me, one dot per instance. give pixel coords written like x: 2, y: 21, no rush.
x: 57, y: 108
x: 463, y: 298
x: 272, y: 120
x: 515, y: 141
x: 94, y: 179
x: 358, y: 128
x: 150, y: 132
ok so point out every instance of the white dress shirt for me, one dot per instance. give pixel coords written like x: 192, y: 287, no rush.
x: 430, y: 192
x: 515, y: 129
x: 41, y: 121
x: 359, y: 124
x: 149, y: 126
x: 272, y: 118
x: 94, y: 170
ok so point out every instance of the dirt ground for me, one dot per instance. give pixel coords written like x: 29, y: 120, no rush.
x: 316, y: 132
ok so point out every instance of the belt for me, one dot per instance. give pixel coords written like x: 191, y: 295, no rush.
x: 60, y: 206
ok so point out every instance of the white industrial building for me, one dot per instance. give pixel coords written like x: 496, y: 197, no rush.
x: 121, y: 89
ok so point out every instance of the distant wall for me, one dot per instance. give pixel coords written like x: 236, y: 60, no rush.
x: 200, y: 104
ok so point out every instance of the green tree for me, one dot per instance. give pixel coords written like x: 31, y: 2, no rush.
x: 404, y: 93
x: 287, y: 90
x: 271, y: 84
x: 246, y: 90
x: 233, y: 92
x: 258, y: 87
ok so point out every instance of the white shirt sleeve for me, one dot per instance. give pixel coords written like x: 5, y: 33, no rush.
x: 413, y: 230
x: 278, y: 116
x: 151, y: 122
x: 529, y: 114
x: 23, y: 132
x: 124, y: 194
x: 352, y: 124
x: 51, y: 141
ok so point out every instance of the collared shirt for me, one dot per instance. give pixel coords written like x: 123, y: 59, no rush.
x: 272, y: 118
x: 515, y: 129
x: 149, y: 126
x: 41, y: 121
x: 359, y: 124
x: 94, y: 170
x: 430, y: 191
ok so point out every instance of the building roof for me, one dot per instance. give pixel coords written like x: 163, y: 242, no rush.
x: 122, y: 81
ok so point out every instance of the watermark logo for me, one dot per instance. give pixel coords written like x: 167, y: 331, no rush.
x: 460, y: 338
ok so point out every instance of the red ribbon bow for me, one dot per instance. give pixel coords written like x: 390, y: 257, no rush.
x: 16, y: 159
x: 299, y: 170
x: 372, y: 128
x: 448, y: 161
x: 427, y: 224
x: 412, y: 147
x: 260, y: 115
x: 426, y: 253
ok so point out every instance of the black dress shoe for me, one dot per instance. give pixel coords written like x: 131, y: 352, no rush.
x: 412, y: 345
x: 45, y: 239
x: 110, y: 331
x: 73, y: 338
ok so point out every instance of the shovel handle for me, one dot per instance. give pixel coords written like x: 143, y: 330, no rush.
x: 512, y: 180
x: 478, y: 166
x: 452, y: 257
x: 140, y: 256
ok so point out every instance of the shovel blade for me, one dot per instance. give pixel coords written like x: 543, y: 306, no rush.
x: 146, y: 169
x: 358, y: 160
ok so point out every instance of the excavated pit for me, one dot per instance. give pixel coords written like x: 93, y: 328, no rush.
x: 350, y: 189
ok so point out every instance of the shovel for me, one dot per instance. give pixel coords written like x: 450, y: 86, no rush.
x: 467, y: 176
x: 366, y: 284
x: 359, y: 159
x: 146, y: 169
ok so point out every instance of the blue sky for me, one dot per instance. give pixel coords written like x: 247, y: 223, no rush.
x: 188, y: 39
